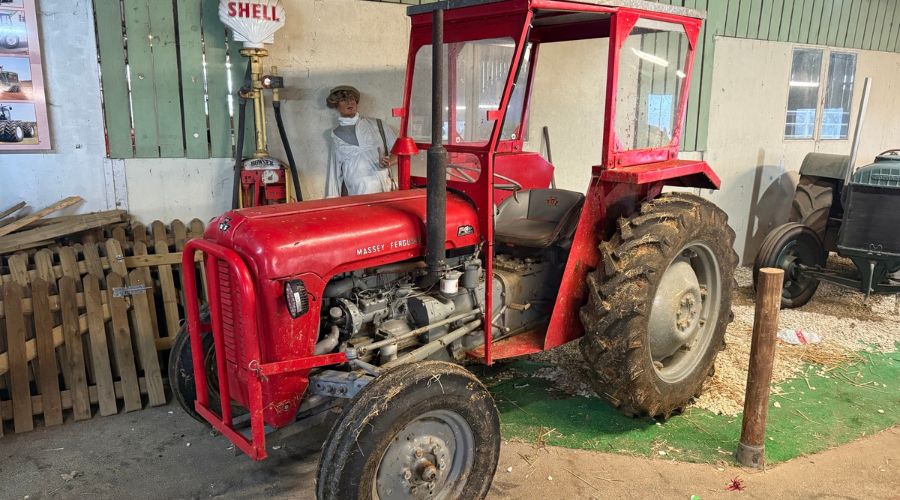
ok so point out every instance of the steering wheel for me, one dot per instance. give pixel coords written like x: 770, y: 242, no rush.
x: 459, y: 172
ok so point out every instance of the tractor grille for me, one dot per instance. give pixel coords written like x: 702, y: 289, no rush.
x: 229, y: 305
x: 872, y: 220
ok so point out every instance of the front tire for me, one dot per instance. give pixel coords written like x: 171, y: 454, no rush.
x: 659, y: 304
x: 422, y: 430
x: 181, y: 370
x: 787, y: 247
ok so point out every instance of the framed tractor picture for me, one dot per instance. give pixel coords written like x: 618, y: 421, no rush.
x: 23, y: 105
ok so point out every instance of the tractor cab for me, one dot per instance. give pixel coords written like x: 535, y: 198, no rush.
x: 358, y: 305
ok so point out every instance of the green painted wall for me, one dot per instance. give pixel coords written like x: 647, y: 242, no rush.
x: 159, y: 111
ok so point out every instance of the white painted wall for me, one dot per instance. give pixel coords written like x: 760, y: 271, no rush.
x: 746, y: 144
x: 330, y: 43
x: 75, y: 166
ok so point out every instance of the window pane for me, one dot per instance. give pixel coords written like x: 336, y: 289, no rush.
x: 838, y: 93
x: 803, y: 94
x: 475, y: 85
x: 517, y: 100
x: 651, y: 80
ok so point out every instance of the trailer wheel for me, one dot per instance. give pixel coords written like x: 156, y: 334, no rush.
x: 181, y: 370
x: 422, y: 430
x: 659, y: 304
x: 812, y: 204
x: 786, y: 247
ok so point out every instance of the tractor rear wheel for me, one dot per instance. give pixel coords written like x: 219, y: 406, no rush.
x: 422, y: 430
x: 659, y: 304
x: 812, y: 204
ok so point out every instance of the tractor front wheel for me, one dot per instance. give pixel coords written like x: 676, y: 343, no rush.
x: 422, y: 430
x: 659, y: 304
x: 181, y: 370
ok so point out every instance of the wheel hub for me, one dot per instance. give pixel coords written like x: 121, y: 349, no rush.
x: 426, y: 459
x: 676, y: 307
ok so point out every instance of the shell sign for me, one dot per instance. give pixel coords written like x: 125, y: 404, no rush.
x: 254, y: 22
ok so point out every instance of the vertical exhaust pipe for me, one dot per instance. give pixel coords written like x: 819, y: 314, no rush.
x: 436, y: 187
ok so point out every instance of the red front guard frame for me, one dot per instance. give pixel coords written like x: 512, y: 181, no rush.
x: 255, y: 371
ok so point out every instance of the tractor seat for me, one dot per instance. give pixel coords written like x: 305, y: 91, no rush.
x: 537, y: 218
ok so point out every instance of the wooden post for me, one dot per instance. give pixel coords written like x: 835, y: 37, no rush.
x: 751, y: 449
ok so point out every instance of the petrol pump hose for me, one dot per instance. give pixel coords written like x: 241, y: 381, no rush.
x: 276, y: 105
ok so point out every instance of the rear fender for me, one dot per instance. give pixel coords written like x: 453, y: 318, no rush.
x: 680, y: 173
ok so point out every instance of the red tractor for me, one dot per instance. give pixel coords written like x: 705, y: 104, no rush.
x: 361, y: 309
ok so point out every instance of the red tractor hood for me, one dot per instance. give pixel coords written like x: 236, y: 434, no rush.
x: 334, y: 235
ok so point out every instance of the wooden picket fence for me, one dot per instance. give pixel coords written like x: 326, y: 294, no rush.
x: 85, y: 328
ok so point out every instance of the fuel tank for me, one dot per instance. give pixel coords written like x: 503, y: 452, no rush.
x: 334, y: 235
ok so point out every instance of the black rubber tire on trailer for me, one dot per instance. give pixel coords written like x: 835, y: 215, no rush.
x: 784, y: 247
x: 181, y: 370
x: 812, y: 204
x: 648, y: 346
x: 382, y: 444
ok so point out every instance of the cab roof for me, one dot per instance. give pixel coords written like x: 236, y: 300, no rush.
x: 630, y: 4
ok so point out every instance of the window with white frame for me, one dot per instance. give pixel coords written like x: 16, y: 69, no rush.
x: 812, y: 113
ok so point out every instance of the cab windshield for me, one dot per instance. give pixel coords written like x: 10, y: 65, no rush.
x: 476, y: 73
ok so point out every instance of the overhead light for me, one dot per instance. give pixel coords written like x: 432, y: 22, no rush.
x: 680, y: 74
x: 650, y: 58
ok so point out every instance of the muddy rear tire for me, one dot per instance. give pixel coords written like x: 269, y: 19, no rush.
x: 659, y: 304
x: 428, y: 423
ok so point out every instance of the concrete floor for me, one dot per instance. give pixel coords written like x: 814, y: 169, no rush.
x: 162, y: 453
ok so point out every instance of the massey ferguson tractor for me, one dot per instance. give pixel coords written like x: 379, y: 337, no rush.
x: 362, y: 310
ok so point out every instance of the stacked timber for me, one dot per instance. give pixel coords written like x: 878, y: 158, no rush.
x: 85, y: 327
x: 37, y: 229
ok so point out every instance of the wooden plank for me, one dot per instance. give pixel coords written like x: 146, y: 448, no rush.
x: 140, y: 249
x: 169, y: 295
x: 143, y: 86
x: 158, y: 228
x: 13, y: 209
x: 118, y: 233
x: 197, y: 228
x: 878, y: 32
x: 18, y: 269
x: 66, y: 397
x: 689, y: 134
x: 796, y: 16
x: 755, y: 19
x: 146, y: 345
x: 180, y: 233
x: 805, y: 21
x: 81, y: 406
x: 859, y: 25
x: 106, y: 394
x: 116, y: 258
x: 108, y: 216
x: 192, y: 81
x: 715, y: 24
x: 24, y: 221
x: 116, y: 104
x: 46, y: 353
x: 890, y: 28
x: 139, y: 232
x: 731, y: 17
x: 18, y: 362
x: 166, y: 80
x: 43, y: 265
x: 784, y: 25
x: 834, y: 22
x: 122, y: 345
x: 68, y: 262
x: 217, y: 82
x: 92, y: 262
x: 197, y: 232
x: 895, y: 29
x: 869, y: 27
x: 818, y: 30
x: 766, y: 19
x: 847, y: 26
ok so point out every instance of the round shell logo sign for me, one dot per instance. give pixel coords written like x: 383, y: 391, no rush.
x: 254, y: 22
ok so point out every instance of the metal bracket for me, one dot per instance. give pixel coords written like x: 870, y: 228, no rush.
x: 124, y: 291
x: 338, y: 384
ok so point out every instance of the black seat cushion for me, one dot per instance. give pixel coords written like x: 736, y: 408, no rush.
x: 537, y: 218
